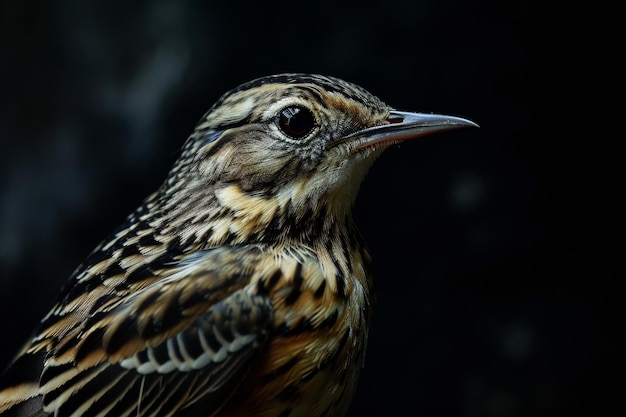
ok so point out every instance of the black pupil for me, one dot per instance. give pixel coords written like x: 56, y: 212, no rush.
x: 296, y: 121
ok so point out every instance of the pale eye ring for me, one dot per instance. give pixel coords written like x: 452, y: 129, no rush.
x: 296, y: 121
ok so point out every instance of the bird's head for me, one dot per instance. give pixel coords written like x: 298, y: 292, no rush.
x: 294, y: 146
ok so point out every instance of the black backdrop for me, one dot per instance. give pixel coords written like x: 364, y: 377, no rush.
x: 492, y: 246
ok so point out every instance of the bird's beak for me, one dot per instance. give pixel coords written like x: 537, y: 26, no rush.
x: 403, y: 126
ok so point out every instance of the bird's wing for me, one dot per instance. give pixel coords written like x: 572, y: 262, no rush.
x: 183, y: 341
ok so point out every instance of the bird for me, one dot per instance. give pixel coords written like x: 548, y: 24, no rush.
x: 242, y: 286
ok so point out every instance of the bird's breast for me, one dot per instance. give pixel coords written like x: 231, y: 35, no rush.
x: 311, y: 363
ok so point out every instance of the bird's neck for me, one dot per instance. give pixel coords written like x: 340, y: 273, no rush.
x: 227, y: 214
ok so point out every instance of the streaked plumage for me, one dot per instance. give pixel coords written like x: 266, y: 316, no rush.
x: 239, y: 288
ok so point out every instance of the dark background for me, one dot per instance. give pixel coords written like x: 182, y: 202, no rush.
x: 494, y: 247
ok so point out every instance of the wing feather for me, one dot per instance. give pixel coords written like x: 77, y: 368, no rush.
x: 185, y: 339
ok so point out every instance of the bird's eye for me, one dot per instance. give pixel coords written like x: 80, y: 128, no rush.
x: 296, y: 121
